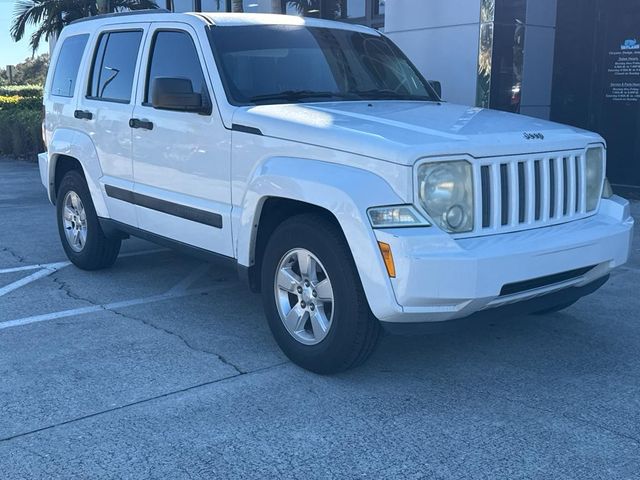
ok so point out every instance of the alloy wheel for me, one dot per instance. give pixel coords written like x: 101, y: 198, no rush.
x: 74, y: 221
x: 304, y: 296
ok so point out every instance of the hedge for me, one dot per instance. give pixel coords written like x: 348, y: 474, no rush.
x: 21, y: 120
x: 21, y: 90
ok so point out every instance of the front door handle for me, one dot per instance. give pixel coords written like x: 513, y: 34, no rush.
x: 137, y: 123
x: 83, y: 114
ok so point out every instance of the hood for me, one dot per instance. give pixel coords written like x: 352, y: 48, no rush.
x: 403, y: 132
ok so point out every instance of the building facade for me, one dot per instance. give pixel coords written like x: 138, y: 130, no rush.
x: 366, y: 12
x: 571, y: 61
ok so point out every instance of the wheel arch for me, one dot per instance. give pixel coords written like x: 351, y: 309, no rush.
x: 286, y: 186
x: 74, y: 150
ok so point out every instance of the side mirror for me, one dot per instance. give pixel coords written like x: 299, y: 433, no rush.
x: 176, y: 94
x: 437, y: 87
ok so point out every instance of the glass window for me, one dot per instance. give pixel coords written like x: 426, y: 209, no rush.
x: 348, y: 9
x: 67, y: 66
x: 214, y: 5
x: 378, y: 7
x: 294, y: 64
x: 305, y: 8
x: 180, y: 6
x: 114, y: 66
x: 256, y: 6
x: 174, y: 56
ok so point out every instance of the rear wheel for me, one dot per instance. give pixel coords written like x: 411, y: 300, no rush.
x: 82, y: 238
x: 313, y: 297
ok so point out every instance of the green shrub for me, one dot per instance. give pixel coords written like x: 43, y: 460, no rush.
x: 21, y: 120
x: 16, y: 101
x: 21, y: 90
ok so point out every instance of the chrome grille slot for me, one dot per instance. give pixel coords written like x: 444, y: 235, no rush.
x: 521, y: 192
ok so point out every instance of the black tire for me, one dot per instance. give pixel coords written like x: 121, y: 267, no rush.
x: 354, y: 331
x: 98, y: 251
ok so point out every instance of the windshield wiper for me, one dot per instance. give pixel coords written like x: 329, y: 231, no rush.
x: 295, y: 96
x: 387, y: 94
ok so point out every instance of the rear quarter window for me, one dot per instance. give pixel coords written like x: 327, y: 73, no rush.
x: 67, y: 65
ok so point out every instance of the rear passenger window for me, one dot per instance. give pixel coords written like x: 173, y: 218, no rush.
x: 114, y: 65
x: 174, y: 55
x: 67, y: 66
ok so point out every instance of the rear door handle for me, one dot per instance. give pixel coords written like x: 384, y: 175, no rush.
x: 83, y: 114
x: 137, y: 123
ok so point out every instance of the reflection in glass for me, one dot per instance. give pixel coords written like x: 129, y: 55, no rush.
x: 256, y: 6
x: 378, y: 7
x: 510, y: 11
x: 214, y: 5
x: 183, y: 6
x: 501, y: 54
x: 483, y: 89
x: 305, y: 8
x: 350, y: 9
x: 507, y: 66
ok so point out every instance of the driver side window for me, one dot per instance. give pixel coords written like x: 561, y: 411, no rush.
x: 174, y: 55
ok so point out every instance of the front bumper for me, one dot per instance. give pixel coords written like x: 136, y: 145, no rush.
x: 440, y: 278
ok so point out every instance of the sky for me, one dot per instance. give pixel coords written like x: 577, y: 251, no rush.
x: 10, y: 51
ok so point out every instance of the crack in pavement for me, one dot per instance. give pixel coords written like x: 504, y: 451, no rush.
x: 221, y: 358
x: 18, y: 258
x: 64, y: 286
x: 139, y: 402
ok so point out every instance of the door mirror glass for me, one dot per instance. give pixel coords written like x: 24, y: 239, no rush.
x: 176, y: 94
x: 437, y: 87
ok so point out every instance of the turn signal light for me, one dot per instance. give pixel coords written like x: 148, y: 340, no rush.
x: 387, y: 256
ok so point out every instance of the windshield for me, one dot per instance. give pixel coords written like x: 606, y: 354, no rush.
x: 268, y: 64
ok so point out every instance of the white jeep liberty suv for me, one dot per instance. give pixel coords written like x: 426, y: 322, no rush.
x: 314, y: 156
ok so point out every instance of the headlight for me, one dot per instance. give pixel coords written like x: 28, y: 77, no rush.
x: 595, y: 176
x: 446, y: 193
x: 396, y: 216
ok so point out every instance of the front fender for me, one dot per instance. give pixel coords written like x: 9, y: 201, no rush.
x: 78, y: 145
x: 346, y: 192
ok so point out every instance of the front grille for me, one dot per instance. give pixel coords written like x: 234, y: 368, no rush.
x: 516, y: 193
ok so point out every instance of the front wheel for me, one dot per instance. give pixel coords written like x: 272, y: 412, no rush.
x: 82, y: 238
x: 313, y: 297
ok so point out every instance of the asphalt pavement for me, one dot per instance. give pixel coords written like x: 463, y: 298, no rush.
x: 164, y: 367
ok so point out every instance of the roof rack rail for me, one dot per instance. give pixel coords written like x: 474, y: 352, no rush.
x: 122, y: 14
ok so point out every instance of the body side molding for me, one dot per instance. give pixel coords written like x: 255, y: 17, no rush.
x: 189, y: 213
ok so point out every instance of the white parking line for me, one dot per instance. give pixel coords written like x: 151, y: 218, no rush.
x: 46, y: 265
x: 30, y: 267
x: 47, y: 269
x: 194, y: 276
x: 107, y: 307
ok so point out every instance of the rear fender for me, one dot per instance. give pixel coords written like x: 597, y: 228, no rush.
x: 78, y: 145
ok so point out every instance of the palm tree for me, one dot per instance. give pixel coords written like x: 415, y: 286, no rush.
x: 50, y: 16
x: 326, y: 9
